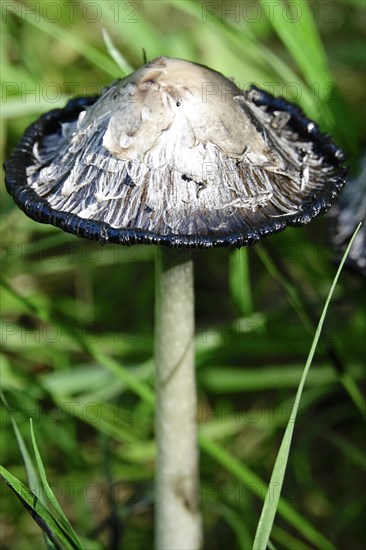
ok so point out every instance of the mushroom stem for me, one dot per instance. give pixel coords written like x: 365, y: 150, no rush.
x: 178, y: 521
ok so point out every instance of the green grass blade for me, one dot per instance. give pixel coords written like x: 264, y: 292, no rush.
x: 28, y: 463
x: 129, y: 20
x: 239, y: 281
x: 353, y: 454
x: 30, y: 470
x: 50, y: 495
x: 272, y: 498
x: 298, y: 305
x: 250, y: 51
x: 295, y: 26
x: 46, y: 521
x: 116, y: 55
x: 255, y: 484
x: 291, y: 291
x: 93, y: 55
x: 288, y: 541
x: 354, y: 392
x: 226, y: 379
x: 236, y: 523
x: 13, y: 108
x: 141, y: 389
x: 301, y: 38
x: 299, y: 34
x: 107, y: 423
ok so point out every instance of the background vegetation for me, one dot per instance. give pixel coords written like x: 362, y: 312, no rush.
x: 77, y: 318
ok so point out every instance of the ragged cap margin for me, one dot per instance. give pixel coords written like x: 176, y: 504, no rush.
x: 39, y: 210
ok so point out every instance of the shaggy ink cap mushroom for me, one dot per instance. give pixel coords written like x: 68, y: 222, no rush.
x: 175, y: 154
x: 348, y: 213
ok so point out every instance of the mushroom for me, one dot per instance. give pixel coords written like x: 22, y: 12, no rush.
x: 349, y: 211
x: 175, y: 155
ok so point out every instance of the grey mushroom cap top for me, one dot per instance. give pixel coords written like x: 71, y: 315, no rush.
x: 175, y: 154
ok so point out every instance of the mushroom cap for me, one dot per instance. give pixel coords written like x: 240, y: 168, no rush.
x: 348, y: 213
x: 175, y: 154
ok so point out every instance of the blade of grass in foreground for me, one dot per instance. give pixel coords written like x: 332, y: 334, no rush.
x: 50, y: 495
x: 30, y: 470
x: 257, y: 487
x: 28, y: 464
x: 273, y: 494
x: 298, y: 305
x: 39, y: 513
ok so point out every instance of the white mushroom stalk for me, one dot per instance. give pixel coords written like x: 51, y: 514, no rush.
x: 178, y: 519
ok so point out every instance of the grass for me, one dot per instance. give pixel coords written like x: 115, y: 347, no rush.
x: 77, y: 318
